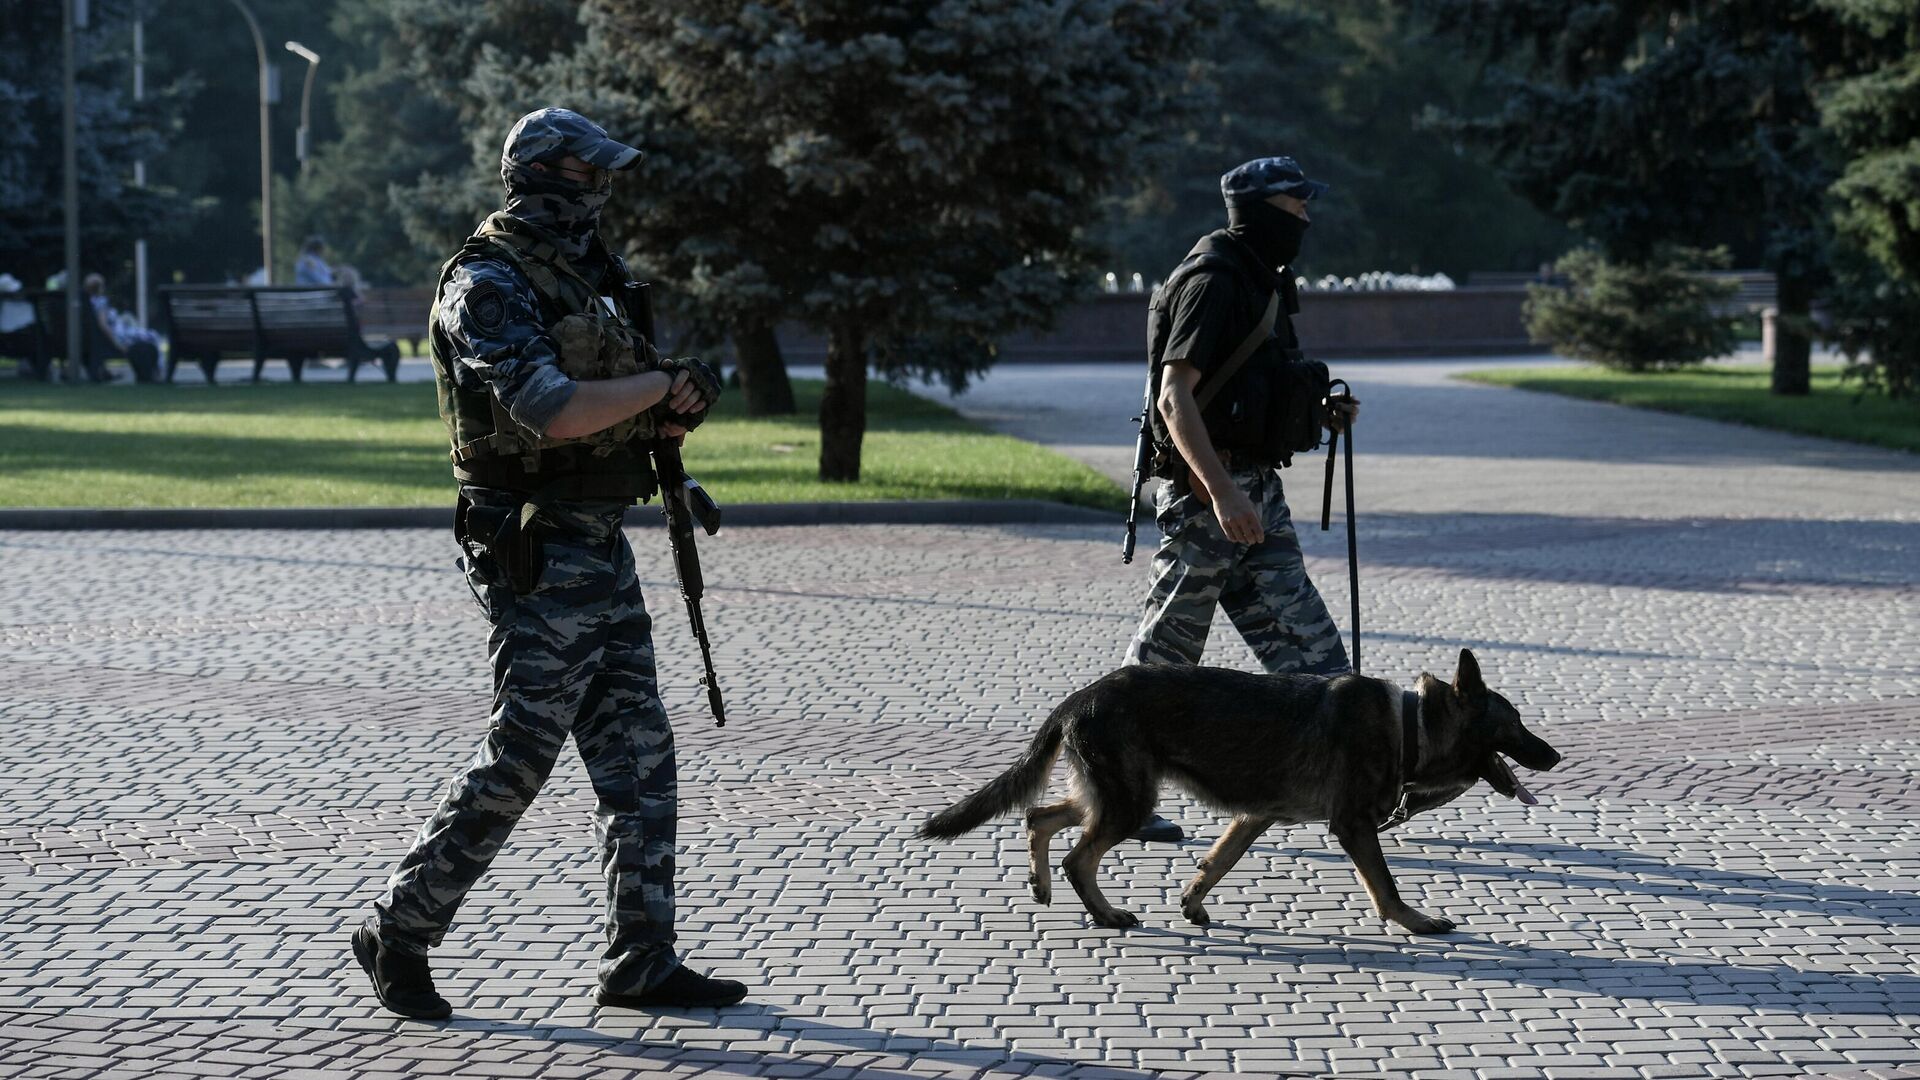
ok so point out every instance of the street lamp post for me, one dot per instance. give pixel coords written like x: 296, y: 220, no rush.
x: 73, y: 17
x: 304, y: 141
x: 266, y: 143
x: 140, y: 167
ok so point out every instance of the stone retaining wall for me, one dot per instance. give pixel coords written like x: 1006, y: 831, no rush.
x: 1458, y: 322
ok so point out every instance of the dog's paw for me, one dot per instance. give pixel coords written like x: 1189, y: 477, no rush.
x: 1419, y: 922
x: 1042, y: 888
x: 1196, y: 914
x: 1116, y: 919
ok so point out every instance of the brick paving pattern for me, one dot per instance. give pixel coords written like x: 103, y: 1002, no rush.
x: 217, y: 744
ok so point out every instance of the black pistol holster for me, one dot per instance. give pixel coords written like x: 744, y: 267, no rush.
x: 504, y: 542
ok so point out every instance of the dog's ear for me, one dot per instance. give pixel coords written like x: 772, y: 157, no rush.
x: 1466, y: 678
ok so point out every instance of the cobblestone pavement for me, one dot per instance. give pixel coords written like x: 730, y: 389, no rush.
x: 219, y: 742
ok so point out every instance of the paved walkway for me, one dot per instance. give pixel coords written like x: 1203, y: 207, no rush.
x: 218, y: 742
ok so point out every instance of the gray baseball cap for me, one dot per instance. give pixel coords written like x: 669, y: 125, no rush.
x: 549, y: 133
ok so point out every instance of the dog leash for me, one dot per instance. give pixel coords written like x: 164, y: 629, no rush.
x: 1326, y: 515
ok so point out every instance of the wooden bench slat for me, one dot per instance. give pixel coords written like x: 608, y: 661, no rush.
x: 261, y: 323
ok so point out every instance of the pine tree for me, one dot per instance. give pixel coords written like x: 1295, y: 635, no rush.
x: 112, y: 132
x: 1341, y: 87
x: 1647, y: 122
x: 926, y: 173
x: 1874, y: 114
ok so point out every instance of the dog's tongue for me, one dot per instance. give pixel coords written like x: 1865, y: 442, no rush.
x: 1519, y: 789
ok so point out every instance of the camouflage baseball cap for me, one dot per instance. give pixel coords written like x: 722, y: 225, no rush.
x: 1265, y: 177
x: 548, y: 133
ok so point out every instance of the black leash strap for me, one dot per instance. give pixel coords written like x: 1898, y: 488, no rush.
x: 1326, y: 516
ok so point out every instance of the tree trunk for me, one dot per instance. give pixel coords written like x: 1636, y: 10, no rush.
x: 1792, y: 349
x: 843, y: 405
x: 763, y: 373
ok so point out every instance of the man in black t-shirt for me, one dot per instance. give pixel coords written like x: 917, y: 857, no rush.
x: 1229, y: 539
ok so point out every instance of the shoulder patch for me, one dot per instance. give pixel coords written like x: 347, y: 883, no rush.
x: 487, y: 307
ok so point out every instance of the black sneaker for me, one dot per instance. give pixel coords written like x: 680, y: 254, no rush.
x: 684, y: 988
x: 401, y: 979
x: 1159, y: 830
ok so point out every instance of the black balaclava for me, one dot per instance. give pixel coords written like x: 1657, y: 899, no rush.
x: 568, y: 210
x: 1272, y: 233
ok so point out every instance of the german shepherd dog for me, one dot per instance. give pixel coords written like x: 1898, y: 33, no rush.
x: 1270, y: 749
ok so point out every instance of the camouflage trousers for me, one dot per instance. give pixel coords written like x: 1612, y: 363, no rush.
x: 572, y: 657
x: 1263, y: 587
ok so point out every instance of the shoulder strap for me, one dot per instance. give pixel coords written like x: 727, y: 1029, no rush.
x: 1227, y: 370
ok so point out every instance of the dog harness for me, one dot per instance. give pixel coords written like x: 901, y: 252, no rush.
x: 1409, y: 755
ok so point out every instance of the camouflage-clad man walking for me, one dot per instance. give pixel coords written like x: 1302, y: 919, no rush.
x: 550, y: 395
x: 1228, y: 536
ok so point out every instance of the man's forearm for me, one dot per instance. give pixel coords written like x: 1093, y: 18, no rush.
x: 598, y: 404
x: 1189, y: 434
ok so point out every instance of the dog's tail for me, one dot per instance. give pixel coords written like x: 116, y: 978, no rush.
x: 1018, y: 786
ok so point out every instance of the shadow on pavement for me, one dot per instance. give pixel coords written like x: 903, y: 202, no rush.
x: 1745, y: 555
x: 1463, y: 955
x: 1760, y: 891
x: 844, y: 1044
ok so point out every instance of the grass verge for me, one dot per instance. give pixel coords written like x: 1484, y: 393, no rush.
x: 1737, y: 394
x: 329, y: 444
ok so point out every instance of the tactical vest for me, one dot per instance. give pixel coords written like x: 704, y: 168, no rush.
x: 1272, y: 406
x: 596, y: 339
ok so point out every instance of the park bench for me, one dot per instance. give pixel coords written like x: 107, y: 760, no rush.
x: 210, y: 323
x: 50, y: 314
x: 24, y: 335
x: 398, y: 314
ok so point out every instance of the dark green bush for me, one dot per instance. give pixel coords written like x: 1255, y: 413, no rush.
x: 1875, y: 320
x: 1649, y: 316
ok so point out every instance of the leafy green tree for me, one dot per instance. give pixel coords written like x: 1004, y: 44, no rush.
x: 1646, y: 122
x: 214, y: 154
x: 694, y: 213
x: 1342, y: 88
x: 933, y: 168
x: 112, y: 132
x: 1874, y: 114
x: 1641, y: 316
x: 415, y: 161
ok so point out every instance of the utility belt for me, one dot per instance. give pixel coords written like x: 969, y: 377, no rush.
x: 511, y: 533
x: 1231, y: 459
x: 566, y: 472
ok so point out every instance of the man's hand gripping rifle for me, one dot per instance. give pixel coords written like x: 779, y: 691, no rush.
x: 683, y: 501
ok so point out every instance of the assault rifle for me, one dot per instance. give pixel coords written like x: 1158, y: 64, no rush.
x: 1142, y: 455
x: 683, y: 501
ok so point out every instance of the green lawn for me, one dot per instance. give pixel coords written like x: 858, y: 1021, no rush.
x: 330, y: 444
x: 1738, y: 394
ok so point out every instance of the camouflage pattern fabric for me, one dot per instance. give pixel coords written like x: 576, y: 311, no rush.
x: 1264, y: 587
x: 572, y: 657
x: 491, y: 317
x: 565, y: 208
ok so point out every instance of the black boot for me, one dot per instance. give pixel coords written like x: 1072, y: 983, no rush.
x: 684, y: 988
x: 401, y: 979
x: 1159, y: 830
